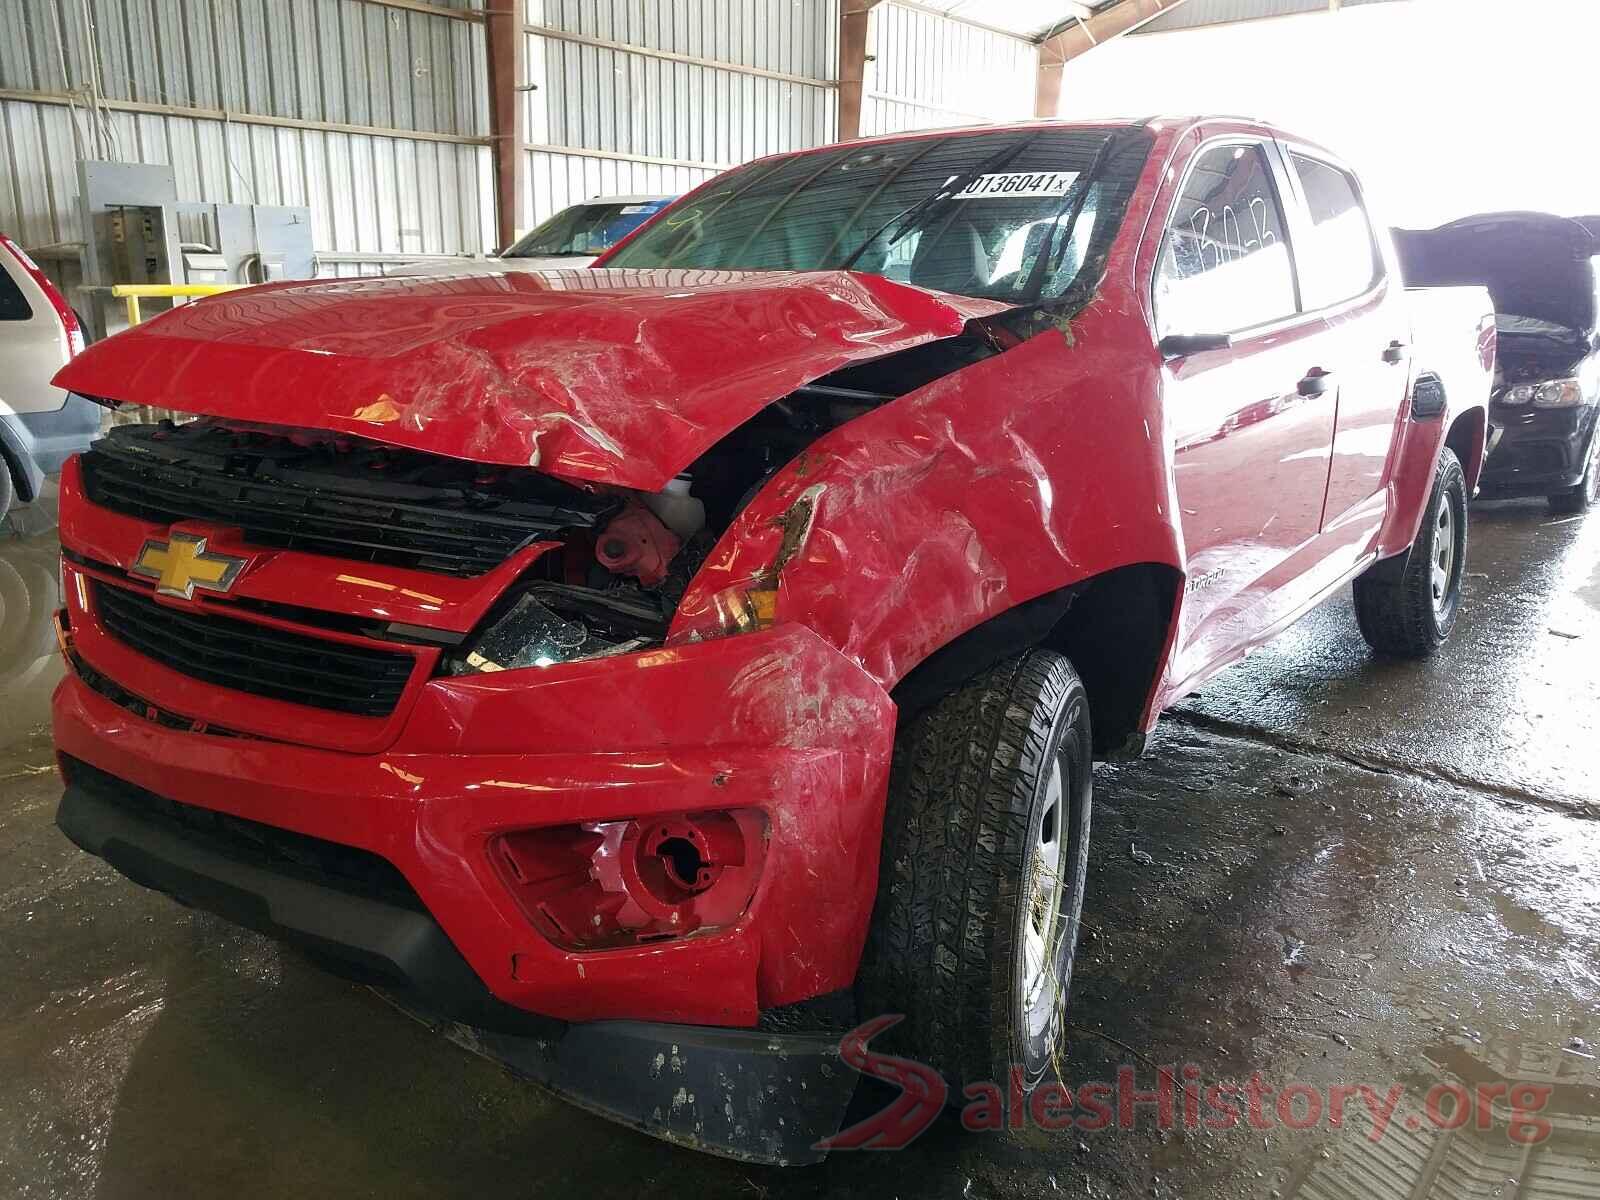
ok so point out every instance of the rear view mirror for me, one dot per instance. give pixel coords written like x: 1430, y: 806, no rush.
x: 1177, y: 345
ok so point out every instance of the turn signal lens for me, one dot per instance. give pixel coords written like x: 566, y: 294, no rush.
x: 746, y: 609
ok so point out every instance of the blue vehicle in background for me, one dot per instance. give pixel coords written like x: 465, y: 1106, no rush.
x: 574, y: 237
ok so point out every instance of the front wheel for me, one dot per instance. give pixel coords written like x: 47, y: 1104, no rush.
x: 1407, y: 605
x: 980, y: 898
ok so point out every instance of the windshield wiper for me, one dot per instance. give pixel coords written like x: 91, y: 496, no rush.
x: 907, y: 217
x: 1078, y: 195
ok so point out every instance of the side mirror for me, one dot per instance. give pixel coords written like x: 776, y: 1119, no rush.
x: 1178, y: 345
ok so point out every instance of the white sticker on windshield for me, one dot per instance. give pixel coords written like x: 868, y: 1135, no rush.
x: 629, y: 209
x: 1018, y: 183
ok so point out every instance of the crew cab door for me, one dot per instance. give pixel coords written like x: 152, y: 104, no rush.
x: 1252, y: 422
x: 1343, y: 278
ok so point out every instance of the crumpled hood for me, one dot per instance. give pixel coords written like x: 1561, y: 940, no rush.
x: 614, y: 376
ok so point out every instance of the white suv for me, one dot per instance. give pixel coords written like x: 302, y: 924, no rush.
x: 41, y: 426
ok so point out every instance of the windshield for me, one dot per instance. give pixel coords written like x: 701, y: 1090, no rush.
x: 584, y: 229
x: 965, y: 213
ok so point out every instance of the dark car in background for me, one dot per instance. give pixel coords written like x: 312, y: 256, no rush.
x: 1540, y: 269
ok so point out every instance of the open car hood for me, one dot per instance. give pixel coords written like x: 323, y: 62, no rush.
x: 613, y: 376
x: 1534, y: 264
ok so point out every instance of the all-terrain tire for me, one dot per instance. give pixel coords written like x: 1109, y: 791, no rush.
x: 965, y: 834
x: 1403, y: 606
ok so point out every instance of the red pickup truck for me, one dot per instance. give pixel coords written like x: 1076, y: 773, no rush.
x: 649, y: 671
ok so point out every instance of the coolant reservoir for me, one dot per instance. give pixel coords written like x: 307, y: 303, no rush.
x: 675, y: 508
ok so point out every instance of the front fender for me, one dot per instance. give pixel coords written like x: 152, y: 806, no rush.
x: 1020, y: 474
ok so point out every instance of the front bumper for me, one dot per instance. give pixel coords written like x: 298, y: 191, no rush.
x: 1536, y: 451
x: 743, y: 1094
x: 777, y: 721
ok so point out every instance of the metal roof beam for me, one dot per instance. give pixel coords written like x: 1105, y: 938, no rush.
x: 1060, y: 48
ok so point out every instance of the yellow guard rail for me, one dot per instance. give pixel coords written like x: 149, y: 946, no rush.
x: 134, y: 292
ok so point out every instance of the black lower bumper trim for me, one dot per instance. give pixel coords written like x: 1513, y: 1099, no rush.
x: 371, y: 940
x: 737, y: 1093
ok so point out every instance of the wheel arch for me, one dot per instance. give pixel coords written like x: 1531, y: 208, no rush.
x: 1115, y: 627
x: 16, y: 457
x: 1467, y: 437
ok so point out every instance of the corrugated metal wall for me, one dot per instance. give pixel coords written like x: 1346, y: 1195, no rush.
x: 925, y: 70
x: 658, y: 95
x: 193, y: 83
x: 387, y: 142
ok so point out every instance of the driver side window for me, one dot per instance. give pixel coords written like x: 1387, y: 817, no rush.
x: 1225, y: 264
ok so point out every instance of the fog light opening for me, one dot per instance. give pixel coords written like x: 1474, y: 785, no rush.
x: 608, y: 884
x: 675, y: 863
x: 683, y: 863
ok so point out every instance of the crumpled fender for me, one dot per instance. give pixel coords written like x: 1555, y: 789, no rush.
x: 1023, y: 473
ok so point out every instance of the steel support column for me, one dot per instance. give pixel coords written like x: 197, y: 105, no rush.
x: 852, y: 63
x: 503, y: 35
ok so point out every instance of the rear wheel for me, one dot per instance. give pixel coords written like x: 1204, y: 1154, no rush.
x: 980, y: 897
x: 1407, y: 605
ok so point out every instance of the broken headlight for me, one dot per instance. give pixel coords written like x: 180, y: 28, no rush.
x: 1553, y: 393
x: 530, y: 633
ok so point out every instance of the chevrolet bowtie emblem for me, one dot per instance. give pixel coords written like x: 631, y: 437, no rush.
x: 181, y: 563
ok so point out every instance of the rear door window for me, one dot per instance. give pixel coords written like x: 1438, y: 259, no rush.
x: 1225, y: 263
x: 1337, y: 255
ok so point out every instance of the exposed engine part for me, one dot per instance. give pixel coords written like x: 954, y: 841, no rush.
x: 729, y: 475
x: 636, y: 543
x: 684, y: 568
x: 677, y: 508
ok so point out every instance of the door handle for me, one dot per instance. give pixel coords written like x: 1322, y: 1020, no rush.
x: 1316, y: 382
x: 1395, y: 352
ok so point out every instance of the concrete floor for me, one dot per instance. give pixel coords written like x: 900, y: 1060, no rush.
x: 1327, y: 870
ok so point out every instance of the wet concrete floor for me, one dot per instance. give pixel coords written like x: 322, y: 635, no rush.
x: 1327, y: 872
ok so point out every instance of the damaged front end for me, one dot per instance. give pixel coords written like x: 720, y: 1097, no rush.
x: 477, y: 643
